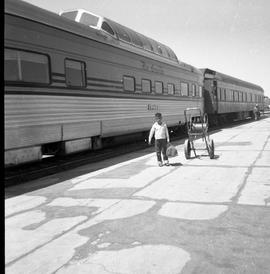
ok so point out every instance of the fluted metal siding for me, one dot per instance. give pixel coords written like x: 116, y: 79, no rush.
x: 50, y: 113
x: 228, y: 107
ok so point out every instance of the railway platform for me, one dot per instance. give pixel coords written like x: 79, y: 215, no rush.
x: 127, y: 215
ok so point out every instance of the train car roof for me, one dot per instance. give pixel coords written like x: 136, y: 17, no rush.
x: 31, y: 12
x: 230, y: 79
x: 120, y: 32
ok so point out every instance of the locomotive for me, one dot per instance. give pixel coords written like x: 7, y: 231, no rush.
x: 77, y: 80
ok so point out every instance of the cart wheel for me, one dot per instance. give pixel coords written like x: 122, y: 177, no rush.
x: 212, y: 150
x: 187, y: 149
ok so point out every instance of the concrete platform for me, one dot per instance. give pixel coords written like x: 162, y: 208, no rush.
x: 127, y: 215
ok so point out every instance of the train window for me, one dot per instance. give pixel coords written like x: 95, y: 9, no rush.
x: 219, y: 93
x: 122, y: 34
x: 89, y: 19
x: 159, y: 87
x: 155, y: 46
x: 197, y: 93
x: 200, y: 91
x: 193, y: 90
x: 171, y: 89
x: 234, y: 96
x: 159, y: 50
x: 146, y: 85
x: 190, y: 89
x: 75, y: 73
x: 135, y: 39
x: 129, y: 83
x: 70, y: 14
x: 23, y: 66
x: 184, y: 89
x: 224, y: 95
x: 227, y: 95
x: 106, y: 27
x: 177, y: 90
x: 12, y: 66
x: 164, y: 51
x: 168, y: 53
x: 146, y: 43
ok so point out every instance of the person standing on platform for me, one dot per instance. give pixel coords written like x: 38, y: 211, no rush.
x: 160, y: 131
x: 256, y: 112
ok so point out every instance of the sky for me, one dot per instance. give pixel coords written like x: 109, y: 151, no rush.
x: 229, y: 36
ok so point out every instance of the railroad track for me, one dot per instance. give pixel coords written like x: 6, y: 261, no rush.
x: 49, y: 166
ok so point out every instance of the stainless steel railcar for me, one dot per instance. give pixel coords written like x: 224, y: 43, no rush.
x: 68, y: 86
x: 228, y: 98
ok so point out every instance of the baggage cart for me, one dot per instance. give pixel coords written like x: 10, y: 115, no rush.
x: 197, y: 126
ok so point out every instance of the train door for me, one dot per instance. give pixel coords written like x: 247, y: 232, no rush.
x: 210, y: 96
x: 215, y: 97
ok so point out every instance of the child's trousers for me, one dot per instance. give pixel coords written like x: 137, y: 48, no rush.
x: 161, y: 146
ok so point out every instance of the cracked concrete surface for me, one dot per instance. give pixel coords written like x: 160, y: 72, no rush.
x: 195, y: 216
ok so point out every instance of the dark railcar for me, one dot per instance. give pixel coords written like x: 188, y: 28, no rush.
x: 228, y: 98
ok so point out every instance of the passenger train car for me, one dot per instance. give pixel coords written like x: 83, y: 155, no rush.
x: 77, y: 80
x: 228, y: 98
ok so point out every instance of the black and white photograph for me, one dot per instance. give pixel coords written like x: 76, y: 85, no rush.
x: 136, y: 137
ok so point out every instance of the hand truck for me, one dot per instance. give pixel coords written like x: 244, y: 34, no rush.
x: 197, y: 126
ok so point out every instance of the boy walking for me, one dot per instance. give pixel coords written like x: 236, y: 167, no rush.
x: 160, y: 130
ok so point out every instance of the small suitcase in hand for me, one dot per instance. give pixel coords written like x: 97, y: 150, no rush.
x: 171, y: 151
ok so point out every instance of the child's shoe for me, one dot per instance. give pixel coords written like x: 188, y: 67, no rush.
x: 160, y: 164
x: 167, y: 163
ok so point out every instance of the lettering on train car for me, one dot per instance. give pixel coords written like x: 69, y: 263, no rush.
x: 145, y: 66
x: 152, y: 68
x: 157, y: 69
x: 152, y: 107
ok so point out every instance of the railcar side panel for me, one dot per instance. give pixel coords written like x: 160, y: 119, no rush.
x: 97, y: 102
